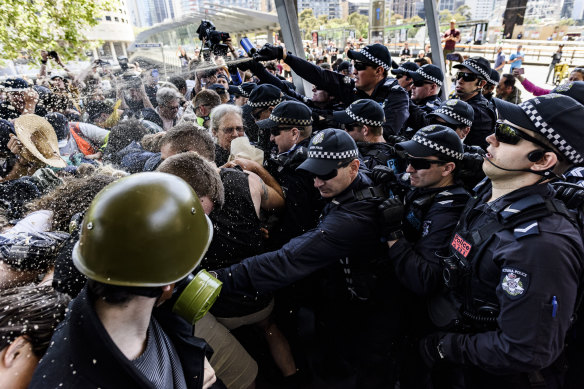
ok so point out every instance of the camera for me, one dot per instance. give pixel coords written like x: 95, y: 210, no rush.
x: 454, y: 271
x: 123, y: 62
x: 214, y: 40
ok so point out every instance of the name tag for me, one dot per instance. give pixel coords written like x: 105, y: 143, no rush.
x: 461, y: 245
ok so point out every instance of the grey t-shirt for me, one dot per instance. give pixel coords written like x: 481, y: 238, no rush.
x: 159, y: 362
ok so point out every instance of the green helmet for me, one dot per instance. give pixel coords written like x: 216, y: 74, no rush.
x: 147, y: 229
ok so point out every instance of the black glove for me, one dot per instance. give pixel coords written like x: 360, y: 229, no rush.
x: 472, y: 162
x: 431, y: 349
x: 383, y: 175
x: 474, y: 149
x: 571, y: 194
x: 393, y: 139
x: 392, y: 215
x: 269, y: 53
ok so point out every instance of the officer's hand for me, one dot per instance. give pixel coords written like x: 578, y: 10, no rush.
x: 383, y: 175
x: 430, y: 349
x: 571, y: 194
x: 474, y: 149
x: 472, y: 162
x: 393, y: 139
x: 269, y: 52
x: 392, y: 214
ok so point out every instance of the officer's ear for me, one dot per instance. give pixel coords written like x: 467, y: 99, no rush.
x: 364, y: 129
x: 295, y: 133
x: 462, y: 132
x: 448, y: 168
x: 547, y: 162
x: 19, y: 348
x: 379, y: 71
x: 482, y: 83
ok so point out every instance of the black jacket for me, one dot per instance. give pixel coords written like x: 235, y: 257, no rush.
x: 82, y: 354
x: 483, y: 124
x: 392, y: 97
x: 419, y: 114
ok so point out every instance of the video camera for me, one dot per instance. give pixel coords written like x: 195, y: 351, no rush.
x: 214, y: 40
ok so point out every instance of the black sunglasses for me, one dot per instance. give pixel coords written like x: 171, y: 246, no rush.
x: 275, y: 131
x: 467, y: 77
x: 421, y: 83
x: 358, y: 65
x: 422, y: 163
x: 506, y: 133
x: 332, y: 174
x: 256, y: 114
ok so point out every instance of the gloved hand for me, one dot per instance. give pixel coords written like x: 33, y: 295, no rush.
x: 571, y: 194
x: 269, y: 53
x: 431, y: 349
x: 474, y: 149
x: 392, y: 215
x: 383, y: 175
x: 393, y: 139
x: 472, y: 162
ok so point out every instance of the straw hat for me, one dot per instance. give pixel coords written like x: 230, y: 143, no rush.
x: 38, y: 137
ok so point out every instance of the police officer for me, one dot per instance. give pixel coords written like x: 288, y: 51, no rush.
x: 140, y: 236
x: 403, y: 77
x: 357, y: 300
x: 507, y: 305
x: 262, y: 100
x: 290, y: 127
x: 371, y: 65
x: 363, y: 120
x: 489, y: 88
x: 428, y: 81
x: 473, y: 75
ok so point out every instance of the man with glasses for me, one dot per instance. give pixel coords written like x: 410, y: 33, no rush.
x: 168, y: 111
x: 473, y: 74
x: 371, y: 65
x: 226, y: 125
x: 428, y: 80
x: 363, y: 120
x: 356, y: 297
x: 203, y: 104
x: 290, y: 127
x: 515, y: 263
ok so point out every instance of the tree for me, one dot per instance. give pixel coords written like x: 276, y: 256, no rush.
x: 30, y: 26
x: 464, y: 11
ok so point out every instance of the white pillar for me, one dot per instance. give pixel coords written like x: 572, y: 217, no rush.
x: 114, y: 55
x: 124, y: 49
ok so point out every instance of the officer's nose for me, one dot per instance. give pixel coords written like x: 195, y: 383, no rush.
x: 318, y: 182
x: 492, y: 140
x: 410, y: 169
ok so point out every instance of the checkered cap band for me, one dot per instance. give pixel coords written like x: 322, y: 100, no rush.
x: 318, y: 154
x: 475, y: 66
x: 402, y: 69
x: 454, y: 115
x: 422, y: 73
x: 373, y: 59
x: 360, y: 119
x: 546, y: 130
x: 261, y: 104
x: 242, y: 91
x: 435, y: 146
x: 295, y: 122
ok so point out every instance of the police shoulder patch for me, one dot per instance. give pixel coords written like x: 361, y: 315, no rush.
x: 514, y: 282
x: 526, y: 229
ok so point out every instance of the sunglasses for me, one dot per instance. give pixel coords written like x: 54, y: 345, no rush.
x: 422, y: 163
x: 332, y: 174
x: 506, y: 133
x: 421, y: 83
x: 467, y: 77
x: 362, y: 65
x: 256, y: 114
x: 275, y: 131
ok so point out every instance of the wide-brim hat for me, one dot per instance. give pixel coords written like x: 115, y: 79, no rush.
x: 289, y: 113
x: 328, y: 150
x: 434, y: 140
x: 364, y: 111
x: 38, y: 136
x: 557, y: 117
x: 376, y: 54
x: 478, y: 65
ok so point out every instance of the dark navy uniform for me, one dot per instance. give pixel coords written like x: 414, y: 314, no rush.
x: 418, y: 114
x: 377, y: 153
x: 483, y: 124
x: 393, y: 98
x: 358, y: 297
x: 519, y: 297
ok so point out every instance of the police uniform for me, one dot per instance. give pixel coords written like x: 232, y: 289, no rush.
x: 392, y: 97
x: 514, y: 270
x: 420, y: 110
x: 357, y: 299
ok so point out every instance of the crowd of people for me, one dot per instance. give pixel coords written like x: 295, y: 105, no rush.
x: 221, y: 229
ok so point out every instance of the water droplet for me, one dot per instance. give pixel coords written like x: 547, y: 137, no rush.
x: 193, y: 210
x: 89, y: 225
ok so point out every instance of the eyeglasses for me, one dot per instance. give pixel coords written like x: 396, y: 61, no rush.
x: 506, y: 133
x: 362, y: 65
x: 229, y: 130
x: 256, y: 114
x: 421, y: 83
x: 332, y: 174
x: 467, y: 77
x: 422, y: 163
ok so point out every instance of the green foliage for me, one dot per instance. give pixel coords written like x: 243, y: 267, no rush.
x: 567, y: 22
x: 30, y: 26
x: 464, y: 11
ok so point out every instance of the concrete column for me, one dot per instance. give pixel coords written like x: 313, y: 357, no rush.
x: 270, y: 36
x: 124, y: 49
x: 95, y: 53
x: 114, y: 55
